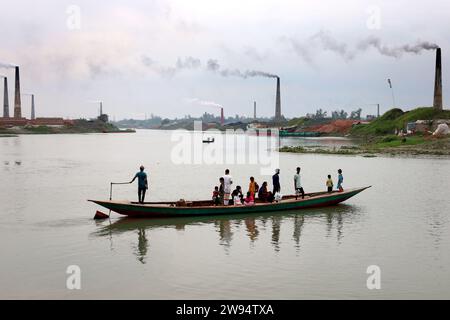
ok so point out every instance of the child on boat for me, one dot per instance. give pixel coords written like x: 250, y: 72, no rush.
x: 329, y: 184
x: 236, y: 194
x: 237, y: 200
x: 221, y: 190
x: 249, y: 200
x: 253, y: 186
x: 216, y: 196
x: 340, y: 181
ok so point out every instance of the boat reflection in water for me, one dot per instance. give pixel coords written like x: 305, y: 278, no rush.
x: 228, y: 227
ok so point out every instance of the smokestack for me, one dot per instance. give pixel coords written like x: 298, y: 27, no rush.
x: 33, y: 115
x: 254, y: 110
x: 221, y: 116
x: 278, y: 101
x: 5, y: 100
x: 437, y: 103
x: 101, y: 108
x: 17, y: 103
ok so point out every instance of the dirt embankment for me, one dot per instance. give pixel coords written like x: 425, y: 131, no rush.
x: 339, y: 127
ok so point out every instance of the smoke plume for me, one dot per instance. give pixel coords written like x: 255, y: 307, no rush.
x: 325, y: 41
x: 170, y: 71
x: 204, y: 103
x: 398, y: 51
x: 213, y: 65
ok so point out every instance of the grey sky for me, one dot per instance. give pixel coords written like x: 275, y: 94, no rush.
x: 153, y: 56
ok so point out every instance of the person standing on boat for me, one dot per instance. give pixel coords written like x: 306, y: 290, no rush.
x: 298, y: 185
x: 276, y: 181
x: 329, y: 184
x: 228, y: 181
x: 221, y: 190
x: 253, y: 186
x: 142, y: 184
x: 340, y: 181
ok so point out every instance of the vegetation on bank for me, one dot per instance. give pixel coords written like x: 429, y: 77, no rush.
x: 396, y: 119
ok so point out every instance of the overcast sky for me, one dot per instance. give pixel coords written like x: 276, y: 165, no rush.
x: 164, y: 57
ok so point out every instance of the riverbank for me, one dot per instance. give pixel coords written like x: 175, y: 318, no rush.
x: 387, y: 145
x: 78, y: 126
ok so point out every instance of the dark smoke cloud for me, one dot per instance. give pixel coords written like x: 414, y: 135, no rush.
x: 325, y: 41
x: 395, y: 52
x: 331, y: 44
x: 188, y: 63
x: 169, y: 71
x: 213, y: 65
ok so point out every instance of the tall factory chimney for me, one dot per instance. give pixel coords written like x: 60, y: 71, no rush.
x: 17, y: 104
x: 221, y: 117
x: 254, y: 110
x: 101, y: 108
x: 5, y: 100
x: 33, y: 114
x: 437, y: 103
x: 278, y: 101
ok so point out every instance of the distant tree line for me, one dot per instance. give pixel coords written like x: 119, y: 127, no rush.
x: 335, y: 115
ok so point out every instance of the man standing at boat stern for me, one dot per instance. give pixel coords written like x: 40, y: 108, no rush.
x: 142, y: 184
x: 227, y: 182
x: 298, y: 185
x: 276, y: 181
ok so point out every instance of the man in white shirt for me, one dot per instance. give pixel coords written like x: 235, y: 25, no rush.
x: 228, y: 181
x: 298, y: 185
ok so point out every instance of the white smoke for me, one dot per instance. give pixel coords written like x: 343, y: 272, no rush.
x: 204, y: 103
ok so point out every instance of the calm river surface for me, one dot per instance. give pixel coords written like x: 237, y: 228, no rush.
x: 401, y: 225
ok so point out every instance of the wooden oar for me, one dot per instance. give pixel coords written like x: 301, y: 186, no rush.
x: 110, y: 190
x: 101, y: 215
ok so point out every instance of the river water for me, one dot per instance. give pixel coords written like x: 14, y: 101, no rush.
x: 401, y: 225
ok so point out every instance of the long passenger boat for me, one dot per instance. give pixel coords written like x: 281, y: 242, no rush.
x: 205, y: 207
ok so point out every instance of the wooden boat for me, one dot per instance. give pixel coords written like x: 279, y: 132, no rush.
x: 205, y: 207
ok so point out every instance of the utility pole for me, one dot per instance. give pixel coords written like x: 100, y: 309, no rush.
x: 392, y: 90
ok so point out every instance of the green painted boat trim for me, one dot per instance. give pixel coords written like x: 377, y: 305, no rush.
x: 203, y: 208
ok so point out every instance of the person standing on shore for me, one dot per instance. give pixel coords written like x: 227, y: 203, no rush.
x: 228, y: 181
x: 298, y: 185
x: 142, y: 184
x: 340, y: 181
x: 276, y: 181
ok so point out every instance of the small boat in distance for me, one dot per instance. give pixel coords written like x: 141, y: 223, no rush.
x: 209, y: 140
x: 205, y: 207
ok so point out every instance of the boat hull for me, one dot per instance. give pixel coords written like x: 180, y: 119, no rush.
x: 149, y: 210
